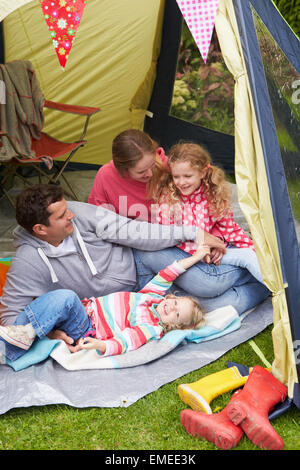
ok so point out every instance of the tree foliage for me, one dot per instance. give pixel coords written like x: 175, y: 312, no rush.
x: 290, y: 10
x: 203, y: 93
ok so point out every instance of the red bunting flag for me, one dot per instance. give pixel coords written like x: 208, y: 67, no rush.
x: 63, y: 18
x: 200, y: 16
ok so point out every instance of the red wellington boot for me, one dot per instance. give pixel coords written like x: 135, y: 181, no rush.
x: 250, y: 408
x: 216, y: 427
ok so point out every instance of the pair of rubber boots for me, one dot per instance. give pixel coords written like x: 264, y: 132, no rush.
x: 247, y: 411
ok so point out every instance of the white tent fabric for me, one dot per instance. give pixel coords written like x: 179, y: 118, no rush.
x: 8, y: 6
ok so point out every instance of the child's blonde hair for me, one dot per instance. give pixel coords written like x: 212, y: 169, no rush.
x: 198, y: 316
x: 163, y: 189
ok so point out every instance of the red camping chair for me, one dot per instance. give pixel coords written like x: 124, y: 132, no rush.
x: 47, y: 147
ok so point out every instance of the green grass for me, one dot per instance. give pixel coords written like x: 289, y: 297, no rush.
x: 152, y: 423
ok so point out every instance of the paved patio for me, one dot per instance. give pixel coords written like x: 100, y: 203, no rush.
x: 81, y: 181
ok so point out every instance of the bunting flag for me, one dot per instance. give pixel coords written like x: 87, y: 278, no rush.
x: 63, y: 18
x: 200, y: 16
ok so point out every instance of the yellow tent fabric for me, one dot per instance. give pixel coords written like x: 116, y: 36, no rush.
x: 253, y: 193
x: 112, y: 59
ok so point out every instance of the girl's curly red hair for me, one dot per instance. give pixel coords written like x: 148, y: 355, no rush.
x: 163, y: 189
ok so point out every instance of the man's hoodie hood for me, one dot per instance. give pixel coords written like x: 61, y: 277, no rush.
x: 23, y: 237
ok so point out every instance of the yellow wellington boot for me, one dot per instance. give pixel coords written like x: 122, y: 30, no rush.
x: 198, y: 395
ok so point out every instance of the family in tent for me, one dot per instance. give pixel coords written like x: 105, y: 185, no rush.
x: 155, y: 249
x: 97, y: 272
x: 104, y: 275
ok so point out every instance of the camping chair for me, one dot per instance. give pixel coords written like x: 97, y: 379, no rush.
x: 47, y: 150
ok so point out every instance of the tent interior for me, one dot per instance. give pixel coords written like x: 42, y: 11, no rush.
x: 125, y: 60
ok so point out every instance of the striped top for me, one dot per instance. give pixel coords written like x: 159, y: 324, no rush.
x: 127, y: 320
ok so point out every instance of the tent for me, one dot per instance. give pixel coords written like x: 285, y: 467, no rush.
x: 124, y: 61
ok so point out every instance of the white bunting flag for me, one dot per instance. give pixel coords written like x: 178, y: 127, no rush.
x: 200, y: 16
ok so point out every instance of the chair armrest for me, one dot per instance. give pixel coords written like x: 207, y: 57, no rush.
x: 69, y: 108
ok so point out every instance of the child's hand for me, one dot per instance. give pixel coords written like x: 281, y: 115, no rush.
x: 92, y: 343
x: 200, y: 253
x: 203, y: 251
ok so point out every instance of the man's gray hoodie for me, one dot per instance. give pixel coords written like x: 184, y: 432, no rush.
x: 102, y: 263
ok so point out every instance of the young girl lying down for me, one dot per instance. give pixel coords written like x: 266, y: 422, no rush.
x: 112, y: 324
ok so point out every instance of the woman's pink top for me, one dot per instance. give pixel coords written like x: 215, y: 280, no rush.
x: 123, y: 195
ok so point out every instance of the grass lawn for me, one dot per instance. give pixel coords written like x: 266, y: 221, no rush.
x: 152, y: 423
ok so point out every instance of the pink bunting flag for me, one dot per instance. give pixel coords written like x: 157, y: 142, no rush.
x: 200, y: 16
x: 63, y: 18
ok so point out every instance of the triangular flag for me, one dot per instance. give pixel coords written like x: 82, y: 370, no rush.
x: 63, y: 18
x: 200, y: 16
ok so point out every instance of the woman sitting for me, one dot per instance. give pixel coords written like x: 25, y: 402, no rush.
x: 122, y: 184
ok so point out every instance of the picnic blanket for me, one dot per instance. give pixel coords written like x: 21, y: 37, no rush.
x: 219, y: 322
x: 22, y: 115
x: 48, y: 382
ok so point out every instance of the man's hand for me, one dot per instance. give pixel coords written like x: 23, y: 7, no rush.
x: 205, y: 238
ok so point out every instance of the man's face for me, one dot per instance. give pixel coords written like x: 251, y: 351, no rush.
x: 60, y: 225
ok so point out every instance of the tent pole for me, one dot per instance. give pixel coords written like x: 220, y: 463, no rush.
x: 1, y: 44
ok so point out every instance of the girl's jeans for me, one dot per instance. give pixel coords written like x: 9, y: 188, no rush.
x: 244, y: 258
x: 214, y: 286
x: 60, y: 310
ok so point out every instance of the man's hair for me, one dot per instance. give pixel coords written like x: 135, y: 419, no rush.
x: 32, y: 204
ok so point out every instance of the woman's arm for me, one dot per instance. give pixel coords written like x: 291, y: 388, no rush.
x: 98, y: 195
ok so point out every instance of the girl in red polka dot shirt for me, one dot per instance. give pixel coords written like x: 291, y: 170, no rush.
x: 192, y: 191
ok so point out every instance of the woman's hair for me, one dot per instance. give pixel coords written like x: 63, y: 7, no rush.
x: 129, y: 147
x: 198, y: 316
x: 163, y: 189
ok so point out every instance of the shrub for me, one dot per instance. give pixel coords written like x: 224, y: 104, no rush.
x: 203, y: 93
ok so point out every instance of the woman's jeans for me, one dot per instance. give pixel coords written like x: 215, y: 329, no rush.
x: 214, y: 286
x: 60, y: 310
